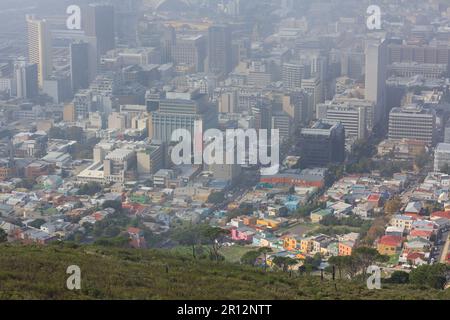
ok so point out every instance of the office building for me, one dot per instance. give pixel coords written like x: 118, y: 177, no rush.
x: 283, y: 122
x: 323, y: 143
x: 182, y: 110
x: 313, y: 87
x: 441, y: 156
x: 190, y: 51
x: 292, y: 75
x: 375, y: 78
x: 352, y: 117
x: 412, y: 122
x: 79, y: 66
x: 99, y: 23
x: 26, y: 76
x: 150, y: 159
x: 40, y: 47
x: 220, y: 49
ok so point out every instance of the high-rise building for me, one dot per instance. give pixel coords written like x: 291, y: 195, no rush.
x: 79, y: 66
x: 168, y: 40
x: 313, y: 87
x: 322, y: 144
x: 26, y: 76
x: 40, y: 47
x: 150, y: 159
x: 190, y: 51
x: 220, y: 49
x: 99, y: 23
x: 441, y: 156
x: 228, y: 101
x: 375, y: 78
x: 283, y: 122
x: 353, y: 117
x: 295, y: 104
x: 412, y: 122
x: 182, y: 110
x: 292, y: 74
x: 82, y: 103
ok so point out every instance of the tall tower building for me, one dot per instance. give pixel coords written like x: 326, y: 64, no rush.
x: 26, y: 76
x: 79, y: 66
x: 40, y: 47
x: 375, y: 79
x: 220, y: 49
x: 99, y: 23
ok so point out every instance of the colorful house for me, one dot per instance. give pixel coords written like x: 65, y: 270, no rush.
x: 389, y: 245
x: 345, y: 248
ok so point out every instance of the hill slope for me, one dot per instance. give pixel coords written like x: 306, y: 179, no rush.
x: 40, y: 273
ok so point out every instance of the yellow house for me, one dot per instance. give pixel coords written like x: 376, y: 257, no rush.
x: 306, y: 245
x: 291, y: 243
x: 269, y: 223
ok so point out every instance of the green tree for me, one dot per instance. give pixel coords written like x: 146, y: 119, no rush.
x: 214, y: 237
x: 434, y: 276
x: 115, y: 204
x: 216, y: 197
x: 189, y: 236
x: 264, y: 251
x: 399, y: 277
x: 249, y: 258
x: 3, y: 236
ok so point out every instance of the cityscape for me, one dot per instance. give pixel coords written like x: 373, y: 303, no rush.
x: 224, y: 149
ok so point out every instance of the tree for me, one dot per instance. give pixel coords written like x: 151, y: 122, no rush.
x: 434, y: 276
x: 284, y: 262
x: 89, y: 189
x: 190, y: 236
x: 265, y: 251
x: 366, y: 257
x: 399, y: 277
x: 214, y: 236
x: 421, y: 160
x: 216, y: 197
x: 3, y: 236
x: 37, y: 223
x: 392, y: 206
x: 115, y: 204
x: 339, y: 262
x: 250, y: 257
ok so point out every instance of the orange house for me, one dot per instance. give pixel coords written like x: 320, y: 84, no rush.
x: 345, y: 248
x: 291, y: 243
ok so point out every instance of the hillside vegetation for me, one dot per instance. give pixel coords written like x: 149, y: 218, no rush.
x: 31, y: 272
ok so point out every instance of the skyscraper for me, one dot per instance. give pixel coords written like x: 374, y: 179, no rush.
x: 323, y: 143
x: 376, y: 65
x: 79, y: 66
x: 99, y: 23
x: 220, y: 49
x: 26, y: 76
x: 40, y: 47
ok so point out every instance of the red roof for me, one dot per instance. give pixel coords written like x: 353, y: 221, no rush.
x: 415, y: 216
x: 441, y: 214
x: 415, y: 255
x: 373, y: 197
x: 394, y: 241
x: 420, y: 233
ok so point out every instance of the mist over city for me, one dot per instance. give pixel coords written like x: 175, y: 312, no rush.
x: 213, y: 150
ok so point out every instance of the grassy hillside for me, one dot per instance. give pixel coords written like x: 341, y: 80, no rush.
x: 40, y: 273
